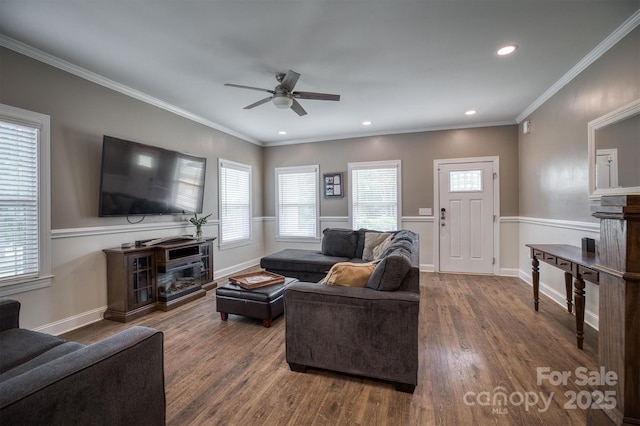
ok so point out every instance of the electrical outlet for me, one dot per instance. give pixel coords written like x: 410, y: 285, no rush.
x: 425, y: 211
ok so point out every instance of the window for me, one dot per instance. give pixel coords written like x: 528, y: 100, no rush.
x: 374, y: 199
x: 235, y: 202
x: 297, y: 202
x: 465, y: 181
x: 25, y: 225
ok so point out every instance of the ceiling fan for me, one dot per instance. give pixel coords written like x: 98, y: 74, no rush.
x: 283, y: 95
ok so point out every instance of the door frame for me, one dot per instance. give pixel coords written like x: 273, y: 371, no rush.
x: 495, y: 160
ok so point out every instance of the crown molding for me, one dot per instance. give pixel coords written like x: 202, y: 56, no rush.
x: 627, y: 26
x: 63, y: 65
x: 388, y: 133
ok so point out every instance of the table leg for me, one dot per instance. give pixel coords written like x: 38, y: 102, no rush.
x: 535, y: 274
x: 579, y: 303
x: 569, y: 289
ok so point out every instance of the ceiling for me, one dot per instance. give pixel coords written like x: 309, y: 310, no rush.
x: 404, y: 65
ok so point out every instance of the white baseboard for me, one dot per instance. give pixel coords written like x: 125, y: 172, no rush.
x: 590, y: 318
x: 509, y: 272
x: 236, y: 268
x: 427, y: 267
x: 71, y: 323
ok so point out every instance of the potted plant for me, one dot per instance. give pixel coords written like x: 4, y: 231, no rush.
x: 198, y: 222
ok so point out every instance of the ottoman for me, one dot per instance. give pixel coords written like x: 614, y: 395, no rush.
x: 263, y: 303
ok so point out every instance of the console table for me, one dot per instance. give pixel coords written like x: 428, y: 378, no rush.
x: 576, y: 264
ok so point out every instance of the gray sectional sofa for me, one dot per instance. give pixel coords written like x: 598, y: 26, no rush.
x: 338, y: 245
x: 370, y: 331
x: 47, y: 380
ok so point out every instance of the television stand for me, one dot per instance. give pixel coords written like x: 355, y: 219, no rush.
x: 161, y: 276
x: 163, y: 240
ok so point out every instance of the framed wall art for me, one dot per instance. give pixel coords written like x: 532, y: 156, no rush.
x: 333, y: 185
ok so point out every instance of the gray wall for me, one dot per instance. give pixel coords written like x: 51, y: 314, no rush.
x: 554, y: 170
x: 82, y: 112
x: 416, y: 151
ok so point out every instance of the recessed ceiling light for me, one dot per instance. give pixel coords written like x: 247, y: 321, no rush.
x: 507, y: 50
x: 282, y: 132
x: 366, y: 123
x: 471, y: 112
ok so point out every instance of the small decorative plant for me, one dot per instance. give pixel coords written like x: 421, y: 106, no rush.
x: 198, y: 222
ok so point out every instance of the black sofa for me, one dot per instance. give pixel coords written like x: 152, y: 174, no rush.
x: 47, y: 380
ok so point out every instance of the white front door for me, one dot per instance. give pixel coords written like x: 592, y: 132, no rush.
x: 466, y: 217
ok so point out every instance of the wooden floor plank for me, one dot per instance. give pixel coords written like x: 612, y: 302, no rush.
x: 478, y: 334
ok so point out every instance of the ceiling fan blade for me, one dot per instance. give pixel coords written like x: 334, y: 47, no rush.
x: 316, y: 96
x: 260, y: 102
x: 250, y: 88
x: 298, y: 108
x: 289, y: 80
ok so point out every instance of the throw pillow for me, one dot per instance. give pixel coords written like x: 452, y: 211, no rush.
x: 379, y: 250
x: 349, y: 274
x: 339, y: 242
x: 389, y: 273
x: 371, y: 241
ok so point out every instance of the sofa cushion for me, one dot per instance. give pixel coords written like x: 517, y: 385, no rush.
x: 19, y: 345
x: 349, y: 274
x: 43, y: 358
x: 339, y: 242
x: 373, y: 241
x: 389, y: 272
x: 300, y: 260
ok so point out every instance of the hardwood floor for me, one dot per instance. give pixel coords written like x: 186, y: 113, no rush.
x: 479, y: 336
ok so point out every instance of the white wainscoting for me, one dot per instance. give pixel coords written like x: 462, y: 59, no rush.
x: 546, y: 231
x: 78, y: 295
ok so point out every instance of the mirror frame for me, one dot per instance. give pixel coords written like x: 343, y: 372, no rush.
x: 619, y: 114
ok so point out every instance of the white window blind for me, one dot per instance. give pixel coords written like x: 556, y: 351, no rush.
x: 297, y: 201
x: 19, y: 236
x: 375, y: 195
x: 235, y: 202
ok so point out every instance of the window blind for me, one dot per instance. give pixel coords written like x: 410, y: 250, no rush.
x: 235, y: 202
x: 19, y: 237
x: 374, y: 195
x: 297, y: 201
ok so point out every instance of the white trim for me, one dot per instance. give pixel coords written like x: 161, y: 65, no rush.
x: 590, y: 318
x: 624, y: 29
x: 509, y: 219
x: 620, y: 114
x: 495, y: 160
x: 76, y: 321
x: 46, y: 58
x: 411, y: 219
x: 25, y: 285
x: 121, y: 229
x: 43, y: 123
x: 387, y: 132
x: 565, y: 224
x: 509, y: 272
x: 224, y: 272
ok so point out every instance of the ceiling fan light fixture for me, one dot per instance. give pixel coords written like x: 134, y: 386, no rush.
x: 282, y: 101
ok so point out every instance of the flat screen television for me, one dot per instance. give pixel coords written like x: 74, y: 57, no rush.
x: 139, y: 179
